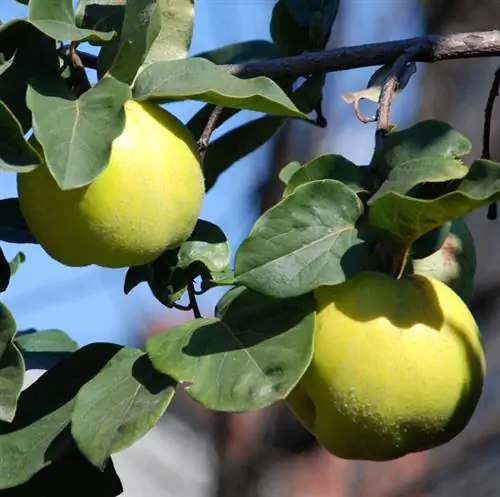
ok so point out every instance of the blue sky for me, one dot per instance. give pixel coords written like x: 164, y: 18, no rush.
x: 88, y: 303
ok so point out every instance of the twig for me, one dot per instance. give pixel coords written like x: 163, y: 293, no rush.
x: 209, y: 129
x: 448, y: 47
x: 488, y: 114
x: 390, y: 86
x: 193, y: 304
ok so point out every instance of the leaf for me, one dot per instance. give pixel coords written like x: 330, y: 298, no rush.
x: 241, y: 52
x: 71, y: 475
x: 134, y: 276
x: 34, y: 54
x: 429, y: 138
x: 249, y: 356
x: 77, y: 134
x: 402, y: 219
x: 13, y: 227
x: 15, y: 263
x: 308, y: 239
x: 11, y: 367
x: 308, y: 95
x: 56, y: 19
x: 290, y: 37
x: 100, y: 15
x: 201, y: 80
x: 331, y: 166
x: 288, y: 171
x: 236, y: 144
x: 4, y: 272
x: 38, y: 434
x: 207, y: 244
x: 119, y: 406
x: 15, y: 152
x: 416, y: 171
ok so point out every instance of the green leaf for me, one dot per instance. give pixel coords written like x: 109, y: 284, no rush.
x: 236, y: 144
x: 249, y: 356
x: 308, y: 239
x: 207, y: 244
x: 290, y: 38
x: 34, y: 54
x: 11, y: 367
x: 15, y: 152
x: 429, y: 138
x: 39, y: 433
x: 56, y: 19
x: 13, y: 227
x: 201, y: 80
x: 416, y: 171
x: 45, y: 341
x: 402, y: 220
x: 119, y: 406
x: 15, y: 263
x: 77, y: 134
x: 72, y: 475
x: 308, y: 95
x: 100, y: 15
x: 288, y: 171
x: 134, y: 276
x: 331, y: 166
x: 241, y: 52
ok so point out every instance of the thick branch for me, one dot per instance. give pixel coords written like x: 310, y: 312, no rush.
x: 457, y: 46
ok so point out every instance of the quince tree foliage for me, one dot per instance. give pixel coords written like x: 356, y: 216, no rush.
x: 105, y: 165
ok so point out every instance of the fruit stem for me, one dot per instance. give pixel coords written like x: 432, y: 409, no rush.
x: 400, y: 262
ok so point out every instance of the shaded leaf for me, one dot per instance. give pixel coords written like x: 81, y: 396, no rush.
x: 199, y: 79
x: 236, y: 144
x: 56, y: 18
x: 308, y: 239
x: 308, y: 95
x: 134, y: 276
x: 13, y: 227
x: 4, y: 272
x: 71, y: 475
x: 120, y: 405
x: 241, y: 52
x: 15, y: 152
x: 11, y: 366
x: 38, y: 434
x: 429, y: 138
x: 34, y: 54
x: 402, y: 219
x: 77, y: 134
x: 331, y: 166
x: 290, y: 38
x: 249, y: 356
x: 100, y: 15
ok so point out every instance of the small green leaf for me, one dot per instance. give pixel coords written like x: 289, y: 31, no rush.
x: 15, y: 263
x: 330, y: 166
x: 241, y: 52
x: 134, y: 276
x: 38, y: 434
x: 288, y: 171
x: 45, y: 341
x: 119, y: 405
x: 77, y: 134
x: 308, y: 239
x: 429, y: 138
x: 13, y: 227
x: 236, y: 144
x: 249, y: 356
x: 11, y: 366
x: 207, y: 244
x: 56, y: 18
x: 15, y: 152
x: 201, y: 80
x: 402, y: 219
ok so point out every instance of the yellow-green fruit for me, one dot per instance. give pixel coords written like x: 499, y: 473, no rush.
x: 398, y: 367
x: 147, y: 200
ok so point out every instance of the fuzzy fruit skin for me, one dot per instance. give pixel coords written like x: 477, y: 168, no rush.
x: 398, y: 367
x: 147, y: 200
